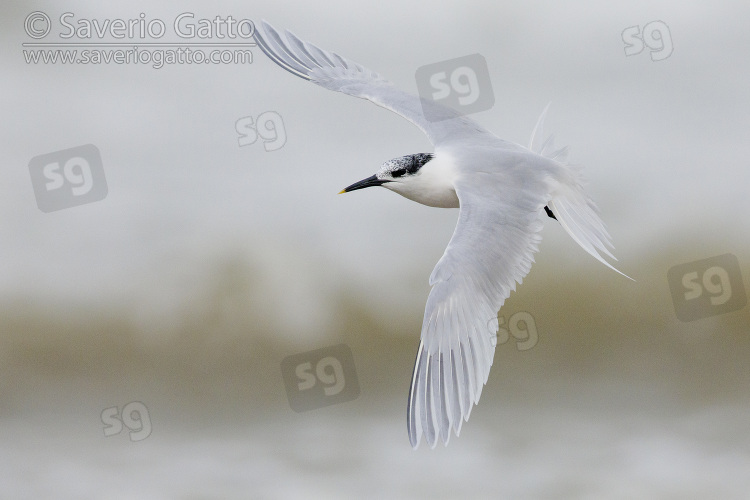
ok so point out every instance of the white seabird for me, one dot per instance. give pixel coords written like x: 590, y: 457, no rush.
x: 503, y: 191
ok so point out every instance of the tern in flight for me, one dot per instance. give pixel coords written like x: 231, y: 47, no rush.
x: 503, y: 192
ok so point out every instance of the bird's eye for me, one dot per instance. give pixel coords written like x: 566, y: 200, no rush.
x: 398, y: 173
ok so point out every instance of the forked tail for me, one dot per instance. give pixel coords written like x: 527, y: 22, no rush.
x: 575, y: 211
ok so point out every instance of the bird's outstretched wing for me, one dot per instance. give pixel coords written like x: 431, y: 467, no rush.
x: 491, y: 249
x: 331, y: 71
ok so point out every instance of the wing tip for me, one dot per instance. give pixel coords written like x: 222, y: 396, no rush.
x: 431, y: 407
x: 276, y: 49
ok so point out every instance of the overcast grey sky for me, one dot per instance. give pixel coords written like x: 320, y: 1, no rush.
x: 663, y: 142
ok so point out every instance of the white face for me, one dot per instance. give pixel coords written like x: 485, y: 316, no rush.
x: 419, y: 178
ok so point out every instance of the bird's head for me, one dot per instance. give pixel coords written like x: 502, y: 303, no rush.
x: 395, y: 174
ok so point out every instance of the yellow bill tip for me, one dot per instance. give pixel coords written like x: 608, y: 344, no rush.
x: 342, y: 191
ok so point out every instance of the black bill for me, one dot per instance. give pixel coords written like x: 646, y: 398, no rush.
x: 364, y: 183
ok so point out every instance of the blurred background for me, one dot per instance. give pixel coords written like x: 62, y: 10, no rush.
x: 209, y: 262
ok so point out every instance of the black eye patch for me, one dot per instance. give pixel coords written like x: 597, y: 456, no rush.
x: 398, y: 172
